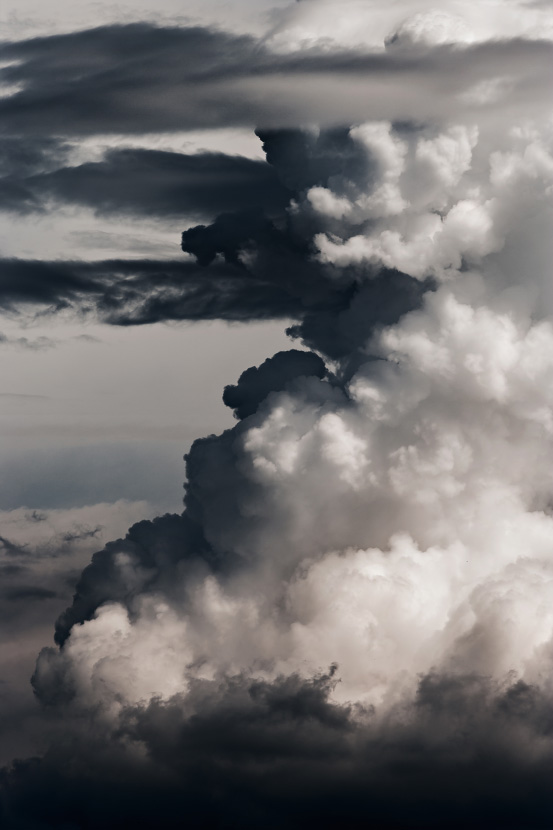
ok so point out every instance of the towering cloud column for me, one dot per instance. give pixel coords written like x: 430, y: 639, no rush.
x: 353, y: 618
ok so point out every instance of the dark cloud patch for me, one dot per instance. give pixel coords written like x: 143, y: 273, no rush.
x: 275, y: 253
x: 138, y: 77
x: 278, y: 280
x: 341, y: 307
x: 17, y: 197
x: 272, y: 376
x: 30, y: 155
x: 281, y: 282
x: 310, y: 158
x: 29, y: 592
x: 11, y: 548
x: 203, y: 756
x: 239, y: 752
x: 53, y: 284
x: 106, y: 76
x: 254, y: 721
x: 134, y: 292
x: 20, y: 158
x: 151, y: 183
x: 250, y: 264
x: 342, y: 333
x: 228, y: 235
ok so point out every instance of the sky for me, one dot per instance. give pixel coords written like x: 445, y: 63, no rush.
x: 277, y: 414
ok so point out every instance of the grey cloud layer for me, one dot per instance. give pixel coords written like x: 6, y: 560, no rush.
x: 139, y: 77
x: 137, y: 182
x: 131, y: 292
x: 241, y: 753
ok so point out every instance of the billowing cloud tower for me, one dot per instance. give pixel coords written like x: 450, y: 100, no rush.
x: 351, y: 624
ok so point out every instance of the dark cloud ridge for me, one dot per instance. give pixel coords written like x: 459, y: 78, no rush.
x: 139, y: 182
x: 238, y: 752
x: 134, y: 292
x: 127, y: 78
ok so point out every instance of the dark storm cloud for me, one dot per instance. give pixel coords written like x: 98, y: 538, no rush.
x: 250, y: 264
x: 132, y: 292
x: 308, y: 158
x: 338, y: 313
x: 53, y: 284
x: 382, y: 301
x: 136, y: 78
x: 237, y: 752
x: 149, y: 183
x: 335, y: 313
x: 273, y: 375
x: 282, y: 283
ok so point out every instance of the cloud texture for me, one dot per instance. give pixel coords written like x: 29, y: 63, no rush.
x: 350, y: 624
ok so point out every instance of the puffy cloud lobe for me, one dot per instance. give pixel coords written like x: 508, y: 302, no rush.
x: 432, y: 209
x: 272, y: 376
x: 397, y: 454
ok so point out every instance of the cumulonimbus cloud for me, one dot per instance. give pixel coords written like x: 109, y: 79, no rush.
x: 350, y: 623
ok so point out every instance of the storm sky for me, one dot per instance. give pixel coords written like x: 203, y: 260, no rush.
x: 307, y: 246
